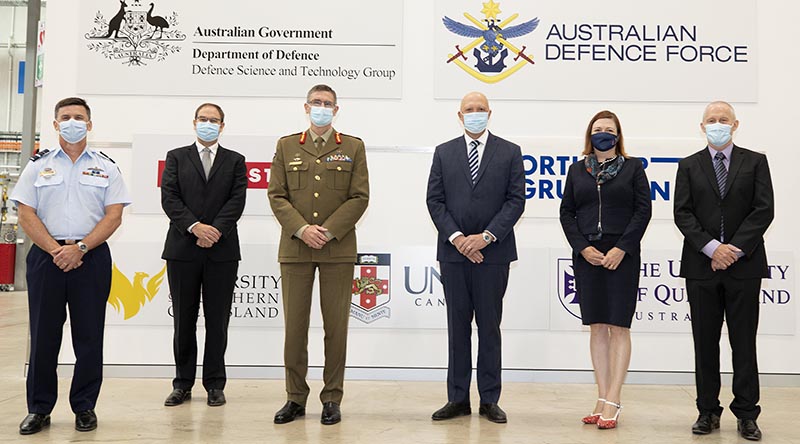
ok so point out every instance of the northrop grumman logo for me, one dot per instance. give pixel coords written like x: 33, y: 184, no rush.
x: 134, y: 35
x: 567, y: 293
x: 371, y: 287
x: 491, y: 43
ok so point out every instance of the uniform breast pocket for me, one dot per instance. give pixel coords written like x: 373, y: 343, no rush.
x: 47, y: 190
x: 339, y: 175
x: 297, y: 176
x: 95, y: 185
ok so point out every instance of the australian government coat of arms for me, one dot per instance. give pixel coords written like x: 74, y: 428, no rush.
x: 135, y: 35
x: 491, y: 44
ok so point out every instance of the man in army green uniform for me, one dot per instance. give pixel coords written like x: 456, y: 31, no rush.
x: 318, y: 190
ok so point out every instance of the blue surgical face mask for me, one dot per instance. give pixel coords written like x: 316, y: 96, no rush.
x: 476, y: 122
x: 207, y: 131
x: 718, y: 134
x: 604, y: 141
x: 321, y: 116
x: 73, y: 131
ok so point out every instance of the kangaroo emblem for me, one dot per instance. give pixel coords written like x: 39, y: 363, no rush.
x: 115, y: 23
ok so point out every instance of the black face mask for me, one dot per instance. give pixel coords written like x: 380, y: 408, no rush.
x: 604, y: 141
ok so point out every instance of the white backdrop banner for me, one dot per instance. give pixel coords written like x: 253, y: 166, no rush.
x: 245, y: 48
x: 542, y: 50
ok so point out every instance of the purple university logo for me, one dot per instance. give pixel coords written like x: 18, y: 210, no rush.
x: 567, y: 293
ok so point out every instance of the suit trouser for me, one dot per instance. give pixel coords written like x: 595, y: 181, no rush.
x: 474, y: 290
x: 216, y: 281
x: 50, y: 290
x: 736, y: 301
x: 336, y: 292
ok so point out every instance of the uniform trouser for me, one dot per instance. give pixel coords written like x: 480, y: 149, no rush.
x: 736, y: 301
x: 50, y: 290
x: 216, y: 282
x: 336, y: 291
x: 474, y: 290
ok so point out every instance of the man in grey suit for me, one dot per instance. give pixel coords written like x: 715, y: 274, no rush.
x: 476, y: 193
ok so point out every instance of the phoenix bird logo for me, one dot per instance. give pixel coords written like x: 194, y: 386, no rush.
x: 131, y: 296
x: 491, y: 43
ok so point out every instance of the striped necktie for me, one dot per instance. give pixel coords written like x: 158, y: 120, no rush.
x: 722, y: 180
x: 473, y: 160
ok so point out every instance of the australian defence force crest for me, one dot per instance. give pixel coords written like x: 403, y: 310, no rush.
x: 135, y: 34
x: 371, y: 286
x: 490, y: 45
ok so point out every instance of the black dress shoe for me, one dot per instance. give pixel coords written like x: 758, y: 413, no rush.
x: 331, y: 414
x: 289, y: 412
x: 85, y: 421
x: 705, y: 424
x: 216, y: 397
x: 451, y: 410
x: 748, y: 429
x: 493, y: 413
x: 33, y: 423
x: 178, y: 397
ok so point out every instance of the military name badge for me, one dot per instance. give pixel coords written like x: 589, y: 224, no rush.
x: 47, y: 173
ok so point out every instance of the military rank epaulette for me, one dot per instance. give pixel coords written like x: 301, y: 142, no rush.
x: 39, y: 155
x: 106, y: 156
x: 291, y: 135
x: 352, y: 137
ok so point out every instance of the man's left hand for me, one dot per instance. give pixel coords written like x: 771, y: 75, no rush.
x: 471, y: 244
x: 67, y: 257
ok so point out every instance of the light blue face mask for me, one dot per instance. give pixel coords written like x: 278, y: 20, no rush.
x: 321, y: 116
x: 72, y: 131
x: 475, y: 123
x: 207, y: 131
x: 718, y: 134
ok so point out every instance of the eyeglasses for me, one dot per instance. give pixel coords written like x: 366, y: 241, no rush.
x: 206, y: 119
x: 318, y: 102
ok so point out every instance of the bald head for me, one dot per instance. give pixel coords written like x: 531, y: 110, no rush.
x: 473, y: 102
x: 720, y: 107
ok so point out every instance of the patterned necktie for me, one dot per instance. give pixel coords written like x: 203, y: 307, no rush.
x: 473, y: 160
x: 722, y: 180
x: 205, y: 159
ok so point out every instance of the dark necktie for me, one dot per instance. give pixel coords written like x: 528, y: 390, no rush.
x: 206, y: 161
x: 473, y: 159
x: 722, y: 180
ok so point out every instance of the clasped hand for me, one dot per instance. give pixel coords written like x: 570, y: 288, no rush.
x: 610, y: 260
x: 314, y: 236
x: 207, y: 235
x: 471, y: 246
x: 724, y: 256
x: 67, y: 257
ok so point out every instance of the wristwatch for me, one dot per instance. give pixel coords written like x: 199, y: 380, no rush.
x: 487, y: 237
x: 83, y: 247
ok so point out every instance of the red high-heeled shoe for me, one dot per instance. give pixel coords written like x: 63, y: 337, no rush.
x: 592, y: 419
x: 605, y: 424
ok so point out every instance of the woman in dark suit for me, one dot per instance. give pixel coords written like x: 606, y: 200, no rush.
x: 604, y: 212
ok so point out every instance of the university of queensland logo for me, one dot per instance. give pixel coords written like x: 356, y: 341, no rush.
x: 371, y: 287
x: 567, y: 293
x: 491, y: 43
x: 134, y: 35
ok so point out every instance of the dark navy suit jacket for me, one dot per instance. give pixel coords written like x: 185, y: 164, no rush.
x: 494, y: 203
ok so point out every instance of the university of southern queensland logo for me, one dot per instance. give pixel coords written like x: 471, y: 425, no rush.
x: 491, y: 43
x: 134, y: 35
x: 129, y: 297
x: 567, y: 293
x: 371, y: 287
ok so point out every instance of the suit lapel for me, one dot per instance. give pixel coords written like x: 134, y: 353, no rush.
x: 461, y: 158
x: 330, y: 145
x: 218, y: 159
x: 488, y: 153
x: 734, y: 167
x: 194, y: 157
x: 708, y: 168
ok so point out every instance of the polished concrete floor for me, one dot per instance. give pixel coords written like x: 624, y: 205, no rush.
x: 386, y: 412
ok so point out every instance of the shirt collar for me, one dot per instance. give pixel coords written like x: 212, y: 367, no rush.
x: 213, y: 148
x: 325, y: 136
x: 86, y: 152
x: 482, y: 139
x: 727, y: 151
